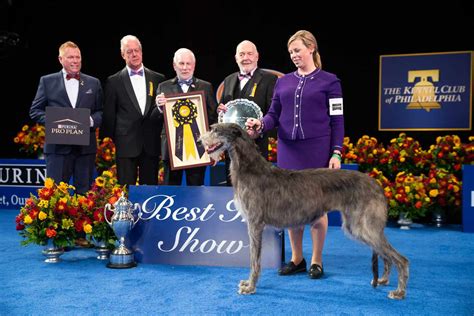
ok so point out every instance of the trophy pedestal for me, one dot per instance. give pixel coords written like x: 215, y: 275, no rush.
x: 121, y: 262
x: 121, y: 258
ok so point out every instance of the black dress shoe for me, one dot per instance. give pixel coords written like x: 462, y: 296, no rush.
x: 315, y: 271
x: 291, y: 268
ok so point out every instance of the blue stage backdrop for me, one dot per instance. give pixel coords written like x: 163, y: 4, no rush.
x: 426, y: 91
x: 18, y: 179
x: 468, y: 198
x: 195, y: 226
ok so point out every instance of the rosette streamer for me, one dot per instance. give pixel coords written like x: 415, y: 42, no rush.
x: 187, y: 131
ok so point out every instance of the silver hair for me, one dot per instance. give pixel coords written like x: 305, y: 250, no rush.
x: 127, y: 38
x: 246, y: 42
x: 182, y: 51
x: 267, y: 195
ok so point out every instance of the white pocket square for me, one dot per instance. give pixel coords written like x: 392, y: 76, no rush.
x: 89, y: 91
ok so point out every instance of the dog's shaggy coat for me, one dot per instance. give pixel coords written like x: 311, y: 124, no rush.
x: 265, y: 194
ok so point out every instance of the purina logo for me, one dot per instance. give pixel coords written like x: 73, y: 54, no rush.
x: 65, y: 128
x: 67, y: 125
x: 22, y: 175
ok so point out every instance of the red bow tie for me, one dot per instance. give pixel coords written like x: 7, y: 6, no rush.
x: 73, y: 76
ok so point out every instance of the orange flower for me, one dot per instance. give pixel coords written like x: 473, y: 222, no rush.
x: 50, y: 232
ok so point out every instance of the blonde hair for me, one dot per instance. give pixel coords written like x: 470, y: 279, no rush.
x: 68, y: 44
x: 309, y: 41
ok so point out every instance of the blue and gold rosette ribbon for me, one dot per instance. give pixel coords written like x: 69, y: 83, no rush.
x: 187, y: 131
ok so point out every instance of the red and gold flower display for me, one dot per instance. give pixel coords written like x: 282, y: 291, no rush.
x: 53, y: 214
x: 105, y: 157
x: 31, y: 139
x: 105, y: 189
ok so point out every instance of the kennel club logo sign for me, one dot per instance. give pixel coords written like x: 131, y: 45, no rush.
x: 426, y: 91
x: 195, y: 226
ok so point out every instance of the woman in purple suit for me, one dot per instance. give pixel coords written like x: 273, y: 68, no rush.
x: 307, y: 109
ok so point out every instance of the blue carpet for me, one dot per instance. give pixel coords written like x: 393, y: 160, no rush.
x: 441, y: 281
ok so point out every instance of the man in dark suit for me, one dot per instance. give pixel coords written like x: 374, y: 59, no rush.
x: 73, y: 89
x: 250, y: 83
x: 184, y: 63
x: 131, y: 117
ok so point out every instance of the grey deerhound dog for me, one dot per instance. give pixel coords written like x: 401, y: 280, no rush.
x: 265, y: 194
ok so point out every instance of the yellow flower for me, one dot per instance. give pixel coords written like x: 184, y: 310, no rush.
x: 407, y: 189
x: 27, y: 220
x: 99, y: 181
x: 43, y: 203
x: 88, y: 228
x: 434, y: 193
x: 67, y: 223
x: 63, y: 187
x: 48, y: 183
x: 107, y: 173
x: 42, y: 215
x: 24, y: 128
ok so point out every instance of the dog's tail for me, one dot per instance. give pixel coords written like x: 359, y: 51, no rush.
x: 375, y: 268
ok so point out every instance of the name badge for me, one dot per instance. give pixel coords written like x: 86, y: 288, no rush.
x: 335, y: 106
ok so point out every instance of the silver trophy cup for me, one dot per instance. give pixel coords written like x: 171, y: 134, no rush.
x: 121, y: 222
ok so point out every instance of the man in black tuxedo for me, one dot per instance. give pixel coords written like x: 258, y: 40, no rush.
x: 250, y: 83
x: 131, y: 118
x: 184, y: 63
x: 70, y: 88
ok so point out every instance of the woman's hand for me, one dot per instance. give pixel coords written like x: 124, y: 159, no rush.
x: 221, y: 108
x: 254, y: 127
x: 335, y: 161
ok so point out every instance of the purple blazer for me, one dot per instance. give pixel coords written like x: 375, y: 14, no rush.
x: 300, y: 108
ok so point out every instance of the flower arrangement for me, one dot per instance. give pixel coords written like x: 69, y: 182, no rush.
x: 272, y: 149
x: 444, y: 188
x: 407, y: 195
x: 105, y: 189
x: 403, y: 154
x: 31, y: 139
x: 366, y: 152
x: 53, y: 214
x: 448, y: 153
x: 105, y: 157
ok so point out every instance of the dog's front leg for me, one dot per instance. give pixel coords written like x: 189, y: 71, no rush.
x: 255, y: 237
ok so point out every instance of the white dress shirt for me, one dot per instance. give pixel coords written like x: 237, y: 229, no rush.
x: 72, y: 89
x: 139, y: 87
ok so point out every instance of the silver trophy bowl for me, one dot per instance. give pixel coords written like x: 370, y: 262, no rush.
x: 122, y: 223
x: 239, y: 110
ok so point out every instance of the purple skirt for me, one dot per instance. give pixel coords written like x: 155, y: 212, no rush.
x: 303, y: 154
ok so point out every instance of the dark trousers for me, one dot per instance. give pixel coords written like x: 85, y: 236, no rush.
x: 144, y: 168
x: 194, y: 176
x: 78, y: 166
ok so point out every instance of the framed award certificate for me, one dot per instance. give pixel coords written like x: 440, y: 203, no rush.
x: 185, y: 121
